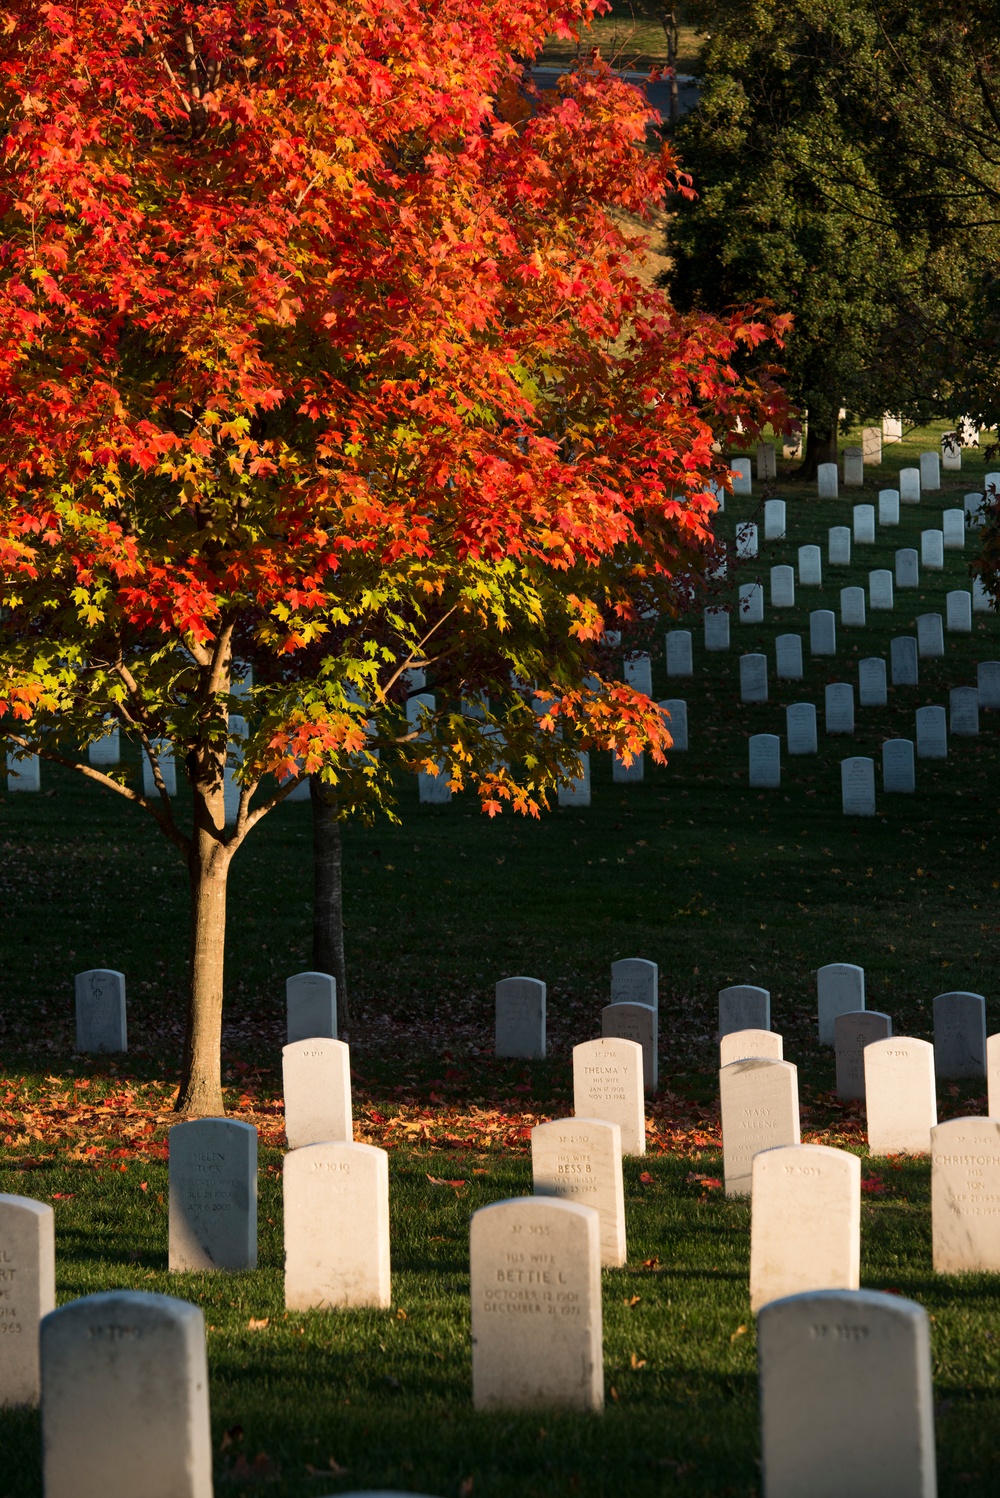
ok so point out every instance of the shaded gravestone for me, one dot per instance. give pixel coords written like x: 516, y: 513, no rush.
x: 958, y: 612
x: 898, y: 771
x: 775, y: 522
x: 742, y: 476
x: 23, y: 772
x: 607, y: 1083
x: 760, y: 1110
x: 932, y: 733
x: 163, y: 753
x: 964, y: 711
x: 888, y: 507
x: 765, y: 761
x: 626, y: 774
x: 900, y: 1100
x: 839, y: 707
x: 125, y: 1398
x: 520, y: 1018
x: 577, y: 792
x: 753, y: 678
x: 232, y: 790
x: 27, y: 1293
x: 959, y: 1035
x: 909, y: 486
x: 951, y: 452
x: 827, y: 478
x: 106, y: 750
x: 638, y: 671
x: 973, y: 507
x: 822, y: 632
x: 310, y: 1006
x: 635, y: 980
x: 100, y: 1011
x: 744, y: 1045
x: 839, y: 546
x: 871, y: 445
x: 905, y: 667
x: 965, y: 1196
x: 864, y: 525
x: 788, y: 657
x: 676, y: 710
x: 846, y: 1399
x: 880, y: 594
x: 840, y: 989
x: 783, y: 587
x: 743, y: 1006
x: 535, y: 1279
x: 982, y: 601
x: 636, y: 1022
x: 988, y: 684
x: 213, y: 1195
x: 853, y: 1031
x: 857, y: 786
x: 800, y: 727
x: 336, y: 1216
x: 854, y: 467
x: 907, y: 568
x: 580, y: 1160
x: 680, y: 659
x: 767, y: 466
x: 953, y: 530
x: 810, y: 567
x: 805, y: 1222
x: 751, y: 604
x: 932, y: 550
x: 316, y: 1077
x: 930, y: 635
x: 716, y: 629
x: 872, y: 688
x: 852, y: 607
x: 746, y: 540
x: 930, y: 471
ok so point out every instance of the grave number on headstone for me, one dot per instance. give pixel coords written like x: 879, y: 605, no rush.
x: 580, y: 1160
x: 744, y: 1045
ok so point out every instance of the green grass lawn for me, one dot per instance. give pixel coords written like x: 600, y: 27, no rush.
x: 715, y: 882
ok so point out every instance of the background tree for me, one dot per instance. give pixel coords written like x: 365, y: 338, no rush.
x: 318, y: 351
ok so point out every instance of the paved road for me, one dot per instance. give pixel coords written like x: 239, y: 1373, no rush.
x: 658, y: 94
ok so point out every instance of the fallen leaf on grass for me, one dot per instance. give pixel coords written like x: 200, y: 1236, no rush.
x: 62, y: 1196
x: 653, y: 1263
x: 332, y: 1466
x: 614, y: 1393
x: 255, y: 1325
x: 873, y: 1186
x: 439, y: 1181
x: 710, y: 1183
x: 633, y: 1302
x: 637, y: 1362
x: 737, y: 1333
x: 646, y: 1178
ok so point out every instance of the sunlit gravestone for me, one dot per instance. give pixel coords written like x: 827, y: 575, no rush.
x: 27, y: 1293
x: 336, y: 1221
x: 805, y: 1231
x: 580, y: 1160
x: 316, y: 1078
x: 760, y: 1110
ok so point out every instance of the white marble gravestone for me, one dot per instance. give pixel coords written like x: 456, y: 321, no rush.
x: 627, y: 774
x: 800, y: 728
x: 23, y: 772
x: 310, y: 1006
x: 745, y: 1045
x: 930, y: 635
x: 930, y: 471
x: 965, y: 1196
x: 765, y: 761
x: 743, y: 1006
x: 635, y: 980
x: 774, y: 520
x: 854, y: 467
x: 432, y: 790
x: 607, y: 1083
x: 958, y: 616
x: 953, y: 529
x: 857, y: 786
x: 839, y: 546
x: 316, y: 1076
x: 213, y: 1195
x: 833, y: 1362
x: 746, y: 540
x: 900, y: 1099
x: 932, y: 733
x: 753, y: 678
x: 520, y: 1018
x: 788, y: 657
x: 580, y: 1160
x: 125, y: 1398
x: 840, y: 989
x: 988, y: 684
x: 964, y: 711
x: 903, y: 654
x: 864, y: 525
x: 676, y: 711
x: 898, y: 769
x: 871, y: 445
x: 638, y: 1022
x: 839, y: 707
x: 751, y: 605
x: 892, y: 428
x: 101, y: 1026
x: 163, y: 750
x: 810, y: 567
x: 716, y: 629
x: 783, y: 587
x: 239, y: 732
x: 336, y: 1216
x: 767, y: 466
x: 106, y: 750
x: 959, y: 1035
x: 826, y: 480
x: 909, y: 486
x: 951, y: 453
x: 852, y: 1031
x: 972, y: 504
x: 27, y: 1293
x: 760, y: 1110
x: 638, y: 672
x: 680, y: 660
x: 577, y: 793
x: 822, y: 632
x: 907, y: 568
x: 872, y: 689
x: 982, y: 601
x: 742, y: 476
x: 888, y: 507
x: 852, y: 607
x: 535, y: 1279
x: 880, y: 594
x: 932, y: 550
x: 805, y: 1222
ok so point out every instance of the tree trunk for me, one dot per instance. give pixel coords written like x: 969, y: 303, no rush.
x: 821, y: 447
x: 328, y: 893
x: 200, y: 1093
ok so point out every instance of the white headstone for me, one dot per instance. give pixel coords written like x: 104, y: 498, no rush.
x: 783, y: 587
x: 760, y: 1110
x: 767, y: 467
x: 433, y: 790
x: 580, y: 1160
x: 872, y: 690
x: 965, y: 1195
x: 718, y: 494
x: 27, y: 1293
x: 840, y: 989
x: 852, y: 607
x: 676, y: 710
x: 964, y: 706
x: 826, y: 480
x: 903, y: 653
x: 880, y: 589
x: 982, y: 601
x: 953, y: 529
x: 636, y: 1022
x: 898, y: 772
x: 100, y: 1011
x: 626, y: 774
x: 857, y: 786
x: 892, y: 429
x: 336, y: 1215
x: 310, y: 1006
x: 164, y: 753
x: 577, y: 793
x: 765, y: 761
x: 909, y: 486
x: 900, y: 1099
x: 839, y: 546
x: 239, y: 732
x: 751, y: 605
x: 854, y: 467
x: 871, y: 444
x: 932, y: 550
x: 951, y: 452
x: 988, y: 684
x: 973, y: 507
x: 607, y: 1083
x: 125, y: 1398
x: 932, y: 733
x: 833, y: 1361
x: 716, y: 629
x: 958, y: 605
x: 213, y: 1195
x: 753, y: 678
x: 810, y: 567
x: 520, y: 1018
x: 959, y: 1035
x: 745, y: 1045
x: 930, y: 635
x: 822, y: 632
x: 23, y: 772
x: 907, y: 568
x: 991, y: 487
x: 930, y: 471
x: 743, y: 1006
x: 635, y: 980
x: 638, y: 672
x: 742, y: 476
x: 839, y: 702
x: 316, y: 1075
x: 106, y: 750
x: 888, y: 507
x: 679, y: 654
x: 800, y: 727
x: 788, y: 656
x: 805, y: 1222
x: 851, y: 1033
x: 864, y: 525
x: 774, y: 520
